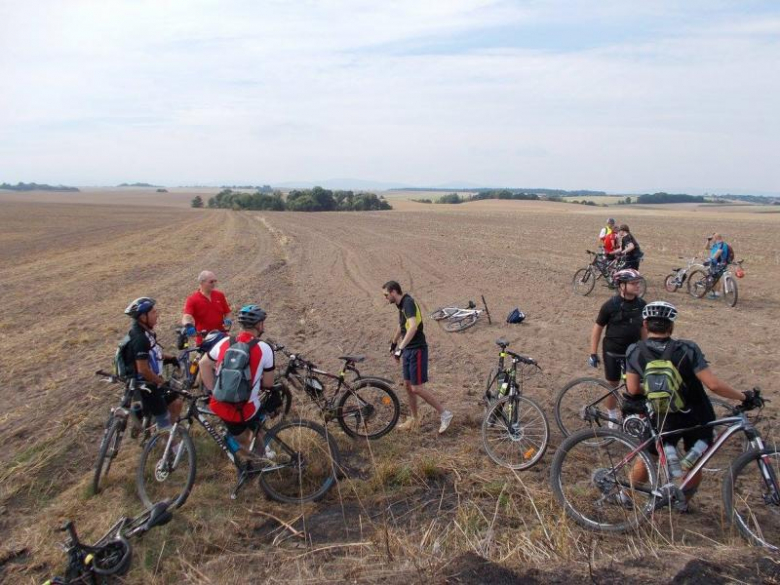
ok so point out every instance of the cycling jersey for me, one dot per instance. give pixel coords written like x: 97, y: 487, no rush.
x: 143, y: 346
x: 208, y: 314
x: 623, y: 320
x: 409, y: 309
x: 261, y: 359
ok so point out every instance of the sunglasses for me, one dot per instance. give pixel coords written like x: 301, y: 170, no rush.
x: 212, y: 281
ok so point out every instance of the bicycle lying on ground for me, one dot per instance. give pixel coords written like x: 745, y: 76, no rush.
x: 456, y: 319
x: 129, y: 409
x: 366, y: 407
x: 112, y: 554
x: 601, y: 266
x: 515, y: 431
x: 594, y: 484
x: 296, y: 460
x: 703, y: 281
x: 674, y: 281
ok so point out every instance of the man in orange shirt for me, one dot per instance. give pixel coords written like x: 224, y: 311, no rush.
x: 207, y: 308
x: 608, y: 237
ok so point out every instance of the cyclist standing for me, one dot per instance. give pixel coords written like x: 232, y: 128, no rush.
x: 622, y: 317
x: 207, y: 308
x: 608, y: 237
x: 687, y: 357
x: 629, y: 248
x: 146, y: 359
x: 241, y: 418
x: 409, y: 346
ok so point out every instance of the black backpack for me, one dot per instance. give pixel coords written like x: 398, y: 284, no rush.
x: 234, y: 382
x: 124, y: 368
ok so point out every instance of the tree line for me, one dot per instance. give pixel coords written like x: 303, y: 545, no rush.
x: 316, y: 199
x: 37, y: 187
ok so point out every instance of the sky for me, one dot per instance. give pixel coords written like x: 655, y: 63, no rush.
x: 621, y: 96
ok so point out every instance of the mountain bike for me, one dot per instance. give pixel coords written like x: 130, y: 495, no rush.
x: 112, y: 554
x: 296, y: 460
x: 366, y: 407
x: 703, y: 281
x: 456, y: 319
x: 129, y: 409
x: 601, y: 266
x: 515, y: 431
x: 581, y: 404
x: 595, y: 487
x: 678, y: 277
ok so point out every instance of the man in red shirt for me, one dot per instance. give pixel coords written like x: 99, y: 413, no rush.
x: 207, y: 308
x: 241, y: 418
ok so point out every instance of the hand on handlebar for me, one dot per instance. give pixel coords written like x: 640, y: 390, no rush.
x: 594, y: 360
x: 752, y: 400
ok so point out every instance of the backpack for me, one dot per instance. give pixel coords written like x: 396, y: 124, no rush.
x: 123, y: 369
x: 234, y: 382
x: 728, y: 254
x: 661, y: 381
x: 516, y: 316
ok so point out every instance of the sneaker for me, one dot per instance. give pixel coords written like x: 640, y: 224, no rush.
x: 410, y: 424
x: 446, y: 419
x: 713, y: 295
x: 270, y: 454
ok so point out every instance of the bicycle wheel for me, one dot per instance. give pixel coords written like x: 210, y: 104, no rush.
x: 369, y: 410
x: 670, y: 283
x: 112, y: 558
x: 751, y: 496
x: 730, y: 294
x: 305, y: 465
x: 697, y: 284
x: 109, y: 449
x: 515, y: 432
x: 491, y: 385
x: 167, y: 475
x: 443, y: 313
x: 594, y: 484
x: 584, y: 280
x: 582, y: 403
x: 461, y: 323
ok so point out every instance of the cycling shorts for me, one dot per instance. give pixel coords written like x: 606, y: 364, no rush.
x: 155, y: 402
x: 415, y: 365
x: 613, y: 365
x: 238, y: 428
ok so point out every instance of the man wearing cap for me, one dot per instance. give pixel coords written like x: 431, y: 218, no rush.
x: 207, y: 308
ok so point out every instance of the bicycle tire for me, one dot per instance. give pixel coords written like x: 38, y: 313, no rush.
x: 109, y: 449
x: 697, y: 284
x: 762, y: 497
x: 491, y: 389
x: 113, y: 557
x: 730, y: 291
x: 574, y: 396
x: 461, y: 324
x: 670, y: 283
x: 388, y: 404
x: 443, y: 313
x: 149, y: 480
x: 487, y: 312
x: 587, y: 464
x: 313, y: 486
x: 500, y: 421
x: 583, y: 282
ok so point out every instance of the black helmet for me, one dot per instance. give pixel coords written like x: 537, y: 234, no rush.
x: 251, y: 315
x: 211, y: 340
x: 140, y: 306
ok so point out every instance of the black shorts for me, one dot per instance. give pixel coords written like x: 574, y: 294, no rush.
x: 155, y: 402
x: 631, y: 263
x: 689, y: 438
x: 414, y: 363
x: 613, y: 364
x: 237, y: 429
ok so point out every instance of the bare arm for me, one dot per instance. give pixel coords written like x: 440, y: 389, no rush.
x: 718, y: 386
x: 595, y: 337
x: 411, y: 329
x: 142, y: 367
x: 267, y: 380
x: 396, y: 334
x: 632, y: 384
x: 207, y: 366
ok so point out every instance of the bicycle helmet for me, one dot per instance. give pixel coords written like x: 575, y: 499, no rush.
x: 251, y: 315
x: 211, y: 339
x: 627, y: 275
x: 659, y: 310
x: 140, y: 306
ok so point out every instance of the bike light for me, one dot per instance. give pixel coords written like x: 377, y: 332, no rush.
x: 386, y: 400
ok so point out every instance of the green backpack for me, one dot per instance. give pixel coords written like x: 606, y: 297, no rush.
x: 662, y: 382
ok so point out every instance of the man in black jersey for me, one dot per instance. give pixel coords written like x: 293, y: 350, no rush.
x: 622, y: 317
x: 409, y: 346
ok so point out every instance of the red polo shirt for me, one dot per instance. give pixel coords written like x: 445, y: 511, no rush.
x: 208, y: 314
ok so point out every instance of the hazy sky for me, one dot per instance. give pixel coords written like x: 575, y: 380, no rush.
x: 621, y: 96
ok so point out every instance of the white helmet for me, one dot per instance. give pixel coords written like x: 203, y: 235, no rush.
x: 659, y: 310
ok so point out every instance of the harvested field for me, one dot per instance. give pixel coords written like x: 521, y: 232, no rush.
x: 420, y: 508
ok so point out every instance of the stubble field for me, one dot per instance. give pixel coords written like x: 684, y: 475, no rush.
x: 412, y: 508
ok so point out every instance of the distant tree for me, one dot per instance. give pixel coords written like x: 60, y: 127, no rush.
x: 627, y: 200
x: 197, y: 201
x: 451, y: 198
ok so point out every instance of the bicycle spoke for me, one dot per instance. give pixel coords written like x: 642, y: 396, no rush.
x: 515, y: 432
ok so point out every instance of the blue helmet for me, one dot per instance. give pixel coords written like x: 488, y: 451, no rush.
x: 251, y: 315
x: 140, y: 306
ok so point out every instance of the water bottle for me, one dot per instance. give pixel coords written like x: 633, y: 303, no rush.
x: 231, y: 443
x: 690, y: 459
x: 674, y: 461
x: 503, y: 384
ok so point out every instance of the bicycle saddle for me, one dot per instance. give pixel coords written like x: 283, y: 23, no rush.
x: 355, y: 359
x: 158, y: 516
x: 471, y: 305
x: 502, y: 343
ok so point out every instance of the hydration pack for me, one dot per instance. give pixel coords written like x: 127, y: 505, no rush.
x: 234, y: 381
x: 123, y: 369
x: 662, y: 382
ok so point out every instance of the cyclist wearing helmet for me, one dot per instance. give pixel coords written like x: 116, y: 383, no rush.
x: 622, y: 317
x: 658, y: 323
x: 242, y: 417
x: 146, y: 357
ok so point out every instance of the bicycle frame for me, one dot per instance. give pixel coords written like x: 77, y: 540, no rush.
x: 298, y: 380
